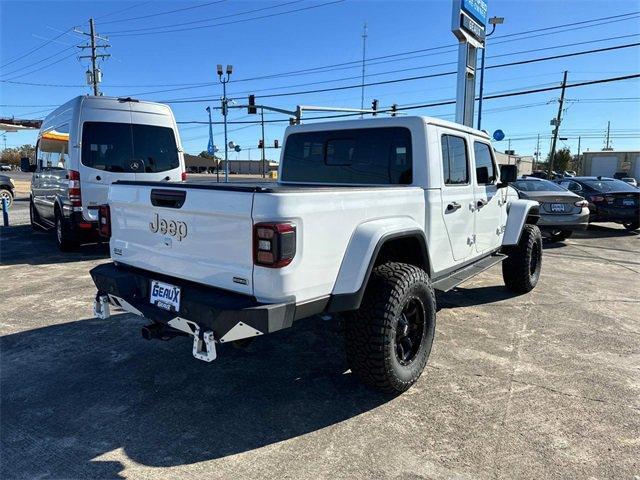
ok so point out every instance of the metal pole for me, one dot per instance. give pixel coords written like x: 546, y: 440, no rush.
x: 226, y: 146
x: 484, y: 53
x: 94, y: 78
x: 264, y: 174
x: 5, y: 212
x: 364, y: 50
x: 556, y: 131
x: 536, y: 157
x: 608, y: 131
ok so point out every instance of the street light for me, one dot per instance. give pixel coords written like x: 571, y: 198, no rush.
x: 493, y: 21
x: 225, y: 108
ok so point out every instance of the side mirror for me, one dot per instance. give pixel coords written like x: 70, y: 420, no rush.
x: 26, y: 166
x: 508, y: 174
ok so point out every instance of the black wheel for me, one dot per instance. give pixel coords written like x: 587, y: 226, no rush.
x: 559, y: 235
x: 521, y: 268
x: 631, y: 226
x: 65, y: 240
x: 388, y: 340
x: 5, y: 194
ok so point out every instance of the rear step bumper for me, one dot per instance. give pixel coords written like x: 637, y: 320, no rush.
x: 229, y: 316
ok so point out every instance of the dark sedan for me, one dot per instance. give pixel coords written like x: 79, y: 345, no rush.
x: 610, y: 200
x: 6, y: 190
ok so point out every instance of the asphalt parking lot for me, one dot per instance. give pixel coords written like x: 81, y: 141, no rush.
x: 544, y: 385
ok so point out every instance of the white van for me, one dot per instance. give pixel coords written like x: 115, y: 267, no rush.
x: 87, y: 144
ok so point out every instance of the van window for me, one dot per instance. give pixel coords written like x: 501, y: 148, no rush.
x: 53, y: 148
x: 482, y: 152
x: 378, y: 156
x: 455, y: 164
x: 123, y: 147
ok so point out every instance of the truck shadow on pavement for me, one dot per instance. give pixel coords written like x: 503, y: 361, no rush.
x: 74, y: 393
x: 20, y: 245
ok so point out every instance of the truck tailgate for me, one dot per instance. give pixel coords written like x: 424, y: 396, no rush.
x: 194, y: 234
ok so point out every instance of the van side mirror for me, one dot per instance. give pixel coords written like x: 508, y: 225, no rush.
x: 508, y: 174
x: 26, y: 166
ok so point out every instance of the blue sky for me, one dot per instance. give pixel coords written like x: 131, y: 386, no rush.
x: 142, y: 65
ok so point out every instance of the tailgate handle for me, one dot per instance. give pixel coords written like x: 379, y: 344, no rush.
x: 168, y: 198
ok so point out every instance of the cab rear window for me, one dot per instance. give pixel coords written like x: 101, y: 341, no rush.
x: 124, y: 147
x: 359, y: 156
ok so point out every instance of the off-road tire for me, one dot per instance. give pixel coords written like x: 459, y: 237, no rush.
x: 560, y: 235
x: 371, y: 331
x: 631, y: 226
x: 66, y: 241
x: 521, y: 268
x: 6, y: 193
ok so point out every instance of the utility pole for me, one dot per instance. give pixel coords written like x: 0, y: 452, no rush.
x: 557, y: 122
x: 364, y: 53
x: 94, y: 76
x: 225, y: 110
x: 578, y: 162
x: 536, y: 157
x: 262, y: 127
x: 607, y: 145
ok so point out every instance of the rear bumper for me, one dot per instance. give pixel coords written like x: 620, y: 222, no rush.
x: 210, y: 308
x: 613, y: 214
x: 576, y: 221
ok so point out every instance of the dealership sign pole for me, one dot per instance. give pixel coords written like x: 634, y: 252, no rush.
x: 469, y: 18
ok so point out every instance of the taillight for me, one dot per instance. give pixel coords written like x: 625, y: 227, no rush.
x: 581, y: 203
x: 104, y: 221
x: 596, y: 198
x: 184, y: 176
x: 74, y: 188
x: 274, y: 244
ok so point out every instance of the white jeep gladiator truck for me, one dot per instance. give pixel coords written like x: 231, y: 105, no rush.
x: 368, y: 218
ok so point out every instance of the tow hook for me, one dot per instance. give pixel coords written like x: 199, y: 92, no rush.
x: 101, y: 307
x: 156, y: 330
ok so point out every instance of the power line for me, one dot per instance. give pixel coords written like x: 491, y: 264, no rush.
x: 39, y: 61
x: 237, y: 14
x: 73, y: 54
x: 117, y: 12
x: 35, y: 49
x: 163, y: 13
x: 113, y: 34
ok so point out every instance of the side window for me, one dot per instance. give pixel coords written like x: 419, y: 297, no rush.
x: 53, y: 148
x: 485, y: 167
x: 455, y: 162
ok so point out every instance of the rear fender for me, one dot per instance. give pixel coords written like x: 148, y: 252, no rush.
x: 358, y: 262
x: 519, y: 212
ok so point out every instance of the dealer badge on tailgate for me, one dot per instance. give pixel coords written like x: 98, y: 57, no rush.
x: 165, y: 296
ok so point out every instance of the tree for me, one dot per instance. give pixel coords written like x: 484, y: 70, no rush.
x: 13, y: 155
x: 561, y: 160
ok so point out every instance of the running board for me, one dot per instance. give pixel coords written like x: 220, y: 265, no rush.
x: 462, y: 275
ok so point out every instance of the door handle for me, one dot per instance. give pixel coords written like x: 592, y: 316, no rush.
x: 481, y: 203
x: 453, y: 206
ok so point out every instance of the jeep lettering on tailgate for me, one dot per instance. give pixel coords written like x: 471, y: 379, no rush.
x: 168, y: 227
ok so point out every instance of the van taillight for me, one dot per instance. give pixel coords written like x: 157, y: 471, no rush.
x: 184, y: 176
x: 104, y: 221
x: 74, y: 188
x: 274, y: 244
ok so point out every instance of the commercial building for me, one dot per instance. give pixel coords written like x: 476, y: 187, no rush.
x: 607, y: 163
x: 523, y: 162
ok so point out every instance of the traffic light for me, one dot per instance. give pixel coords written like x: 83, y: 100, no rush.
x: 260, y: 143
x: 275, y: 143
x: 374, y: 107
x: 251, y: 108
x: 394, y: 109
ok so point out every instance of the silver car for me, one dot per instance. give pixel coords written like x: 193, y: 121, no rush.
x: 561, y: 211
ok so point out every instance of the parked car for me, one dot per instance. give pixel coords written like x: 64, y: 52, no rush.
x: 5, y: 167
x: 610, y: 200
x: 561, y: 211
x: 630, y: 181
x: 89, y: 143
x: 7, y: 190
x: 368, y: 218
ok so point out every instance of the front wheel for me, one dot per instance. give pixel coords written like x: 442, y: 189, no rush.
x: 631, y: 226
x: 389, y: 338
x: 521, y: 268
x: 6, y: 195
